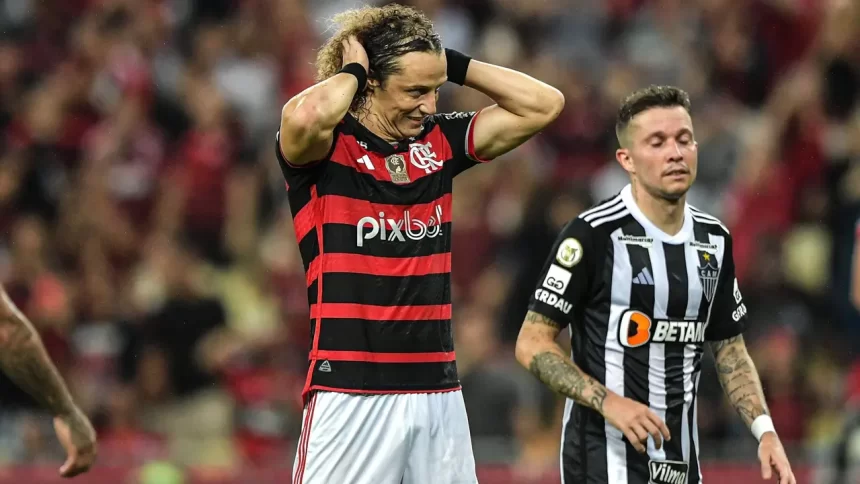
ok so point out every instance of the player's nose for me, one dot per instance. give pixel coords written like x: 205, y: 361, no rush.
x: 675, y: 153
x: 428, y: 106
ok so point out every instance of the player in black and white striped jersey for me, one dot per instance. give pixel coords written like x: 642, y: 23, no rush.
x: 643, y: 281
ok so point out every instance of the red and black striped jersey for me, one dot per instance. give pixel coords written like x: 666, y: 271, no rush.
x: 373, y: 225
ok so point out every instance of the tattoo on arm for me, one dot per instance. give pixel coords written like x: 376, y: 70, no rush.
x: 563, y: 376
x: 739, y: 378
x: 535, y: 318
x: 716, y: 346
x: 560, y: 374
x: 25, y: 361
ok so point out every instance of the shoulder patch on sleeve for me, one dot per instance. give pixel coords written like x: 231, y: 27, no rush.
x: 458, y: 115
x: 569, y: 252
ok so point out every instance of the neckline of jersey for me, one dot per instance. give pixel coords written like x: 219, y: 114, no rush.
x: 375, y: 142
x: 681, y: 237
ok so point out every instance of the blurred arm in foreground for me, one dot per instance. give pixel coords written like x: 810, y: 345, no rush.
x: 25, y: 361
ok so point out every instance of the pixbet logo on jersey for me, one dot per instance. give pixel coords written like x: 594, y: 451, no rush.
x: 398, y: 229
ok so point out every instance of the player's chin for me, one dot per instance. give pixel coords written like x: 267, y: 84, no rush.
x: 411, y: 126
x: 676, y: 188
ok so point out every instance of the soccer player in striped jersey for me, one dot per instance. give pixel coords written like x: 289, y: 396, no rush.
x: 369, y: 166
x: 643, y: 281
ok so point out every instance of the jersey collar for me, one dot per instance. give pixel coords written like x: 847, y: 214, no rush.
x: 681, y: 237
x: 376, y: 143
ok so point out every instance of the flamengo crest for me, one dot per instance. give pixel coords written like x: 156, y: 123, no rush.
x: 423, y: 157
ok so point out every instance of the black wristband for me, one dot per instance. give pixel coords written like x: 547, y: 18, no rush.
x: 458, y: 64
x: 358, y: 71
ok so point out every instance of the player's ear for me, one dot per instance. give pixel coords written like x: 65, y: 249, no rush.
x: 622, y: 155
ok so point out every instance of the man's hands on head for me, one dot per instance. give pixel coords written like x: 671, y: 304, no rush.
x: 309, y: 118
x: 354, y: 52
x: 524, y: 105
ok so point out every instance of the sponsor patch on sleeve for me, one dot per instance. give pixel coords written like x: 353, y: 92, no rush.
x: 557, y: 279
x: 569, y: 252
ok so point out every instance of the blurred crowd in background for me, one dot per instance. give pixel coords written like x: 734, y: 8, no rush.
x: 144, y: 226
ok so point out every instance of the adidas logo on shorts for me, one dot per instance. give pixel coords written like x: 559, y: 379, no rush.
x: 325, y: 366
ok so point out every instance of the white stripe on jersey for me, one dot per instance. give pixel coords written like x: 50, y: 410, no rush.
x: 705, y: 220
x: 689, y: 358
x: 606, y: 204
x: 605, y: 212
x: 616, y: 450
x: 657, y: 352
x: 610, y: 218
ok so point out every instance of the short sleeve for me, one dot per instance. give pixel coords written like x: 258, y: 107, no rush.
x: 728, y: 312
x: 567, y: 275
x: 457, y: 128
x: 297, y: 176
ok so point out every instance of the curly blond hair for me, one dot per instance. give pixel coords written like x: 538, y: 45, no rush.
x: 386, y: 33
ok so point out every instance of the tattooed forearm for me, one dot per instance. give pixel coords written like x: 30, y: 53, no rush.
x: 538, y: 351
x: 24, y: 360
x: 563, y: 376
x: 739, y: 378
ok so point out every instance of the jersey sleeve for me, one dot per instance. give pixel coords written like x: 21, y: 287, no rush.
x: 297, y: 176
x: 458, y: 130
x: 567, y: 275
x: 728, y: 312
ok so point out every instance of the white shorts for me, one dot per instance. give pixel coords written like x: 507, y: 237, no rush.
x: 412, y: 438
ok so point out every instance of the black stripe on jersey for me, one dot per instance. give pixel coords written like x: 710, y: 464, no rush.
x: 583, y: 423
x: 375, y: 377
x: 637, y: 360
x: 349, y: 182
x: 309, y: 248
x: 693, y: 463
x: 343, y: 239
x: 676, y: 269
x: 298, y: 197
x: 701, y: 233
x: 386, y: 336
x: 312, y: 326
x: 313, y: 290
x: 584, y: 446
x: 574, y: 453
x: 348, y: 287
